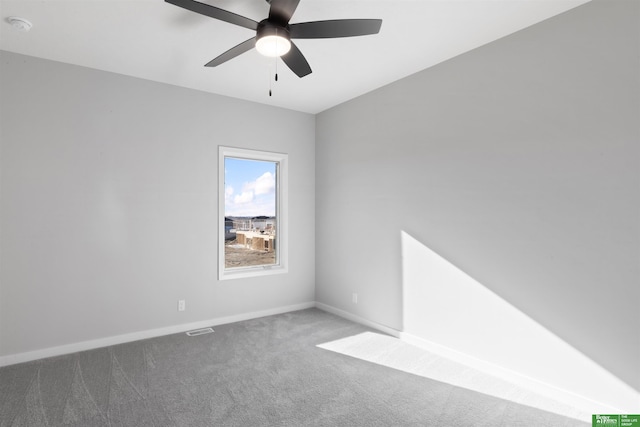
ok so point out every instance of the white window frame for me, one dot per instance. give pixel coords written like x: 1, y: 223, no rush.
x: 282, y: 206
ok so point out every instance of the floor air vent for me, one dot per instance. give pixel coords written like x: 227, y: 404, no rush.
x: 197, y: 332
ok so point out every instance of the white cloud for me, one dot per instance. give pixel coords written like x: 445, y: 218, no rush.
x: 265, y: 184
x: 257, y: 197
x: 244, y: 197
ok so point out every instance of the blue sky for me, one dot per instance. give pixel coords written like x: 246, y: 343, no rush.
x: 249, y: 187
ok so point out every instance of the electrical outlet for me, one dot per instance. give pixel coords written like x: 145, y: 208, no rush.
x: 181, y: 305
x: 354, y: 298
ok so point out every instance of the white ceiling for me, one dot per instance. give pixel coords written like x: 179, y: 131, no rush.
x: 158, y: 41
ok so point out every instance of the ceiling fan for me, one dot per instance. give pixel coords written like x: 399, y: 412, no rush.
x: 274, y: 34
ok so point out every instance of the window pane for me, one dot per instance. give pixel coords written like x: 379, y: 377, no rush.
x: 250, y: 212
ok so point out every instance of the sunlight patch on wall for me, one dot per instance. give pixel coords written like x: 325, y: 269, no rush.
x: 449, y: 313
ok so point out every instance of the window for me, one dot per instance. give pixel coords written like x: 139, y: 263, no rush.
x: 252, y: 213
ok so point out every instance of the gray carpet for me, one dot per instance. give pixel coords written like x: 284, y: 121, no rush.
x: 261, y: 372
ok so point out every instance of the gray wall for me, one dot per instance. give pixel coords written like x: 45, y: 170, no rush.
x: 109, y: 204
x: 519, y: 162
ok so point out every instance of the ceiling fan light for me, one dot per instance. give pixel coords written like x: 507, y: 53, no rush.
x: 273, y: 45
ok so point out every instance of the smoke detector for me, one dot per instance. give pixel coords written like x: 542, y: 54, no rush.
x: 19, y: 24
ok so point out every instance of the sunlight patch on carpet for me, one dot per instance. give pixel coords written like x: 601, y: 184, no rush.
x: 394, y: 353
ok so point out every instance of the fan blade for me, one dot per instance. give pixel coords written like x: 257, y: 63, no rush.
x: 335, y: 28
x: 281, y: 11
x: 215, y: 12
x: 296, y: 61
x: 233, y: 52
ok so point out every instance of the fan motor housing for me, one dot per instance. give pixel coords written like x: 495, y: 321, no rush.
x: 268, y: 28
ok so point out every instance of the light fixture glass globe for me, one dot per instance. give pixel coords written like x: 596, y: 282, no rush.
x: 273, y: 45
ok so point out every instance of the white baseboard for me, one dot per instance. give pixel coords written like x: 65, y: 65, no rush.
x: 12, y: 359
x: 566, y: 397
x: 357, y: 319
x: 532, y: 384
x: 584, y: 404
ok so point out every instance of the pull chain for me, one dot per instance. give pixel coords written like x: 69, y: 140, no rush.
x: 276, y: 58
x: 276, y: 68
